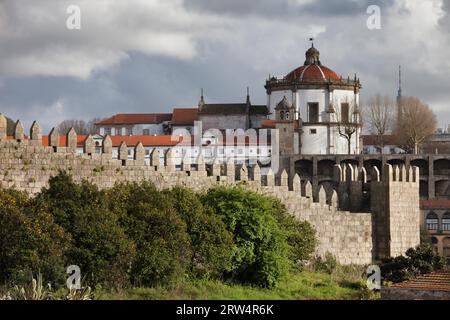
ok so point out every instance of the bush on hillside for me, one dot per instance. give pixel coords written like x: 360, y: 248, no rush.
x: 160, y: 234
x: 301, y: 235
x: 99, y: 245
x: 261, y: 252
x: 30, y: 241
x: 417, y: 261
x: 212, y: 244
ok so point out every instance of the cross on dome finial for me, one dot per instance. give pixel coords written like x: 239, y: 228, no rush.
x: 312, y: 42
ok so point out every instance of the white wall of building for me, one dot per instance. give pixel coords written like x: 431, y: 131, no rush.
x: 321, y: 138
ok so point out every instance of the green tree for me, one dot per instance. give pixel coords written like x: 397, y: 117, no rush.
x: 99, y: 245
x: 30, y: 241
x: 162, y: 242
x: 261, y: 252
x: 212, y: 243
x: 301, y: 235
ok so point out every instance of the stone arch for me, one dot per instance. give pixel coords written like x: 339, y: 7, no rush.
x: 432, y: 221
x: 396, y: 162
x: 442, y: 188
x: 304, y: 168
x: 350, y: 161
x: 421, y: 164
x: 370, y: 164
x: 325, y: 167
x: 442, y: 167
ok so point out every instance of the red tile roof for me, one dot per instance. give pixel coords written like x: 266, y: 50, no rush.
x: 373, y: 140
x: 433, y: 204
x: 136, y: 118
x: 312, y: 73
x: 62, y: 140
x: 149, y: 141
x: 184, y: 116
x: 439, y: 281
x: 271, y: 124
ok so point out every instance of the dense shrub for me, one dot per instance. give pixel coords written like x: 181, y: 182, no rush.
x: 162, y: 243
x: 261, y: 252
x: 136, y: 234
x: 99, y: 245
x: 30, y: 241
x: 301, y: 235
x: 417, y: 261
x: 212, y: 243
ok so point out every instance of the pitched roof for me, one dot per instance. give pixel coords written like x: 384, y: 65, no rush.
x: 148, y: 141
x: 62, y: 140
x: 232, y: 108
x: 439, y: 281
x: 373, y: 140
x: 271, y: 124
x: 136, y: 118
x: 434, y: 204
x: 184, y: 116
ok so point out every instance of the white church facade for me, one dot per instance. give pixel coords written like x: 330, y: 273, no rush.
x: 324, y: 105
x: 315, y: 110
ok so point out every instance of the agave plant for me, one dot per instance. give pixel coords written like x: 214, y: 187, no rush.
x: 82, y: 294
x: 36, y: 291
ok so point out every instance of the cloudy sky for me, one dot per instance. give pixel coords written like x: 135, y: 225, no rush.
x: 151, y: 55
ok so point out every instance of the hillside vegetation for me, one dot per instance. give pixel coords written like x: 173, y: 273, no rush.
x: 134, y: 235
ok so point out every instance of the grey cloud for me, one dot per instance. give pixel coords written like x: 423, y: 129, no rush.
x: 244, y: 55
x: 285, y: 8
x: 444, y: 23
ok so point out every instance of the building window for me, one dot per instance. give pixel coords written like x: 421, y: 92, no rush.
x: 287, y: 115
x: 313, y: 131
x: 129, y: 131
x: 118, y: 131
x: 107, y: 131
x: 446, y: 222
x: 345, y: 109
x: 432, y: 221
x: 281, y: 115
x: 313, y: 112
x: 146, y: 132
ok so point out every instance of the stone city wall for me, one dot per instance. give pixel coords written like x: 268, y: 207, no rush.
x: 25, y: 164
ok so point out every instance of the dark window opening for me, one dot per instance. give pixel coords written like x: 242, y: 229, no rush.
x: 313, y: 112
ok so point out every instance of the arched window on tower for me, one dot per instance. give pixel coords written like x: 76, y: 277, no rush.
x: 446, y: 222
x: 286, y: 115
x: 282, y: 115
x: 432, y: 221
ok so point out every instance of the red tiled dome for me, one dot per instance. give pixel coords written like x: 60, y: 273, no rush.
x: 312, y: 73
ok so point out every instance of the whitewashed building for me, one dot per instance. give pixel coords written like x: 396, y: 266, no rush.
x: 324, y: 105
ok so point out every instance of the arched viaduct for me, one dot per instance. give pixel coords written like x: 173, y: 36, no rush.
x: 434, y: 169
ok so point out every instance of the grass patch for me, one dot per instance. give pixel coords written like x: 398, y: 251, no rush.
x: 306, y: 285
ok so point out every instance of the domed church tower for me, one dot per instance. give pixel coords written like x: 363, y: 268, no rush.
x: 325, y: 105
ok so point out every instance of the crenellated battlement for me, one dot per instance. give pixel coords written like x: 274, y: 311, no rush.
x: 354, y: 218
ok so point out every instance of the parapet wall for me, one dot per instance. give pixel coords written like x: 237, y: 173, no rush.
x: 27, y: 165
